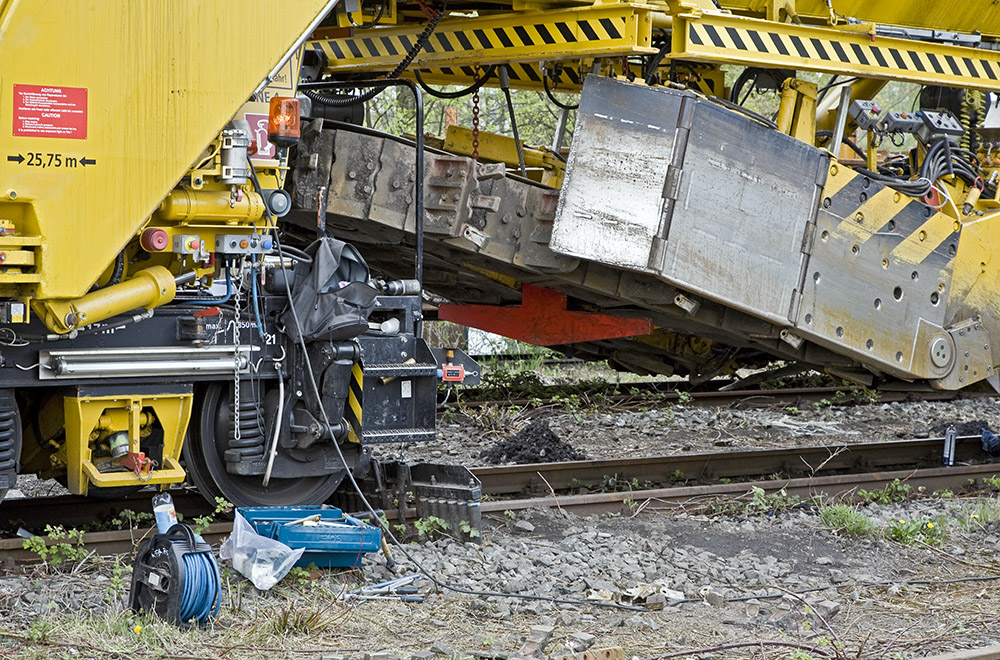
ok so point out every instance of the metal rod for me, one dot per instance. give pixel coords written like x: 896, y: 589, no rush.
x: 505, y: 86
x: 418, y: 193
x: 838, y: 130
x: 560, y: 130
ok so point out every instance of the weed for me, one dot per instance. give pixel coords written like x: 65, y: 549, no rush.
x: 764, y: 502
x: 509, y: 516
x: 683, y: 398
x: 993, y: 481
x: 58, y: 546
x: 847, y: 520
x: 466, y: 528
x: 897, y: 491
x: 296, y: 619
x: 430, y: 525
x: 676, y: 476
x: 128, y: 519
x: 201, y: 523
x: 909, y: 532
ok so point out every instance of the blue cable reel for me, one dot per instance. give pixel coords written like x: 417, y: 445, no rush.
x: 176, y: 577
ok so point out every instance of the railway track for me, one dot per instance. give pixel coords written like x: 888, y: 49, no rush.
x: 646, y: 393
x: 586, y: 487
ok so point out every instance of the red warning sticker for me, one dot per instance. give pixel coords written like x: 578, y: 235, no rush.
x: 58, y: 112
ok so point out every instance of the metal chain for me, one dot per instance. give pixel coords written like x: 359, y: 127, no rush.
x: 237, y: 299
x: 475, y: 115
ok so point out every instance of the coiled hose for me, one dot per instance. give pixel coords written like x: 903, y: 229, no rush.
x: 202, y: 587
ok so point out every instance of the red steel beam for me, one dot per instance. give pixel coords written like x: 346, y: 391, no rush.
x: 542, y: 319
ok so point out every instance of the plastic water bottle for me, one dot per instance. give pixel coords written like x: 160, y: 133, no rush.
x: 166, y: 514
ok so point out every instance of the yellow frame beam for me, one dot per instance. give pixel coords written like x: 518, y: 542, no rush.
x: 598, y: 31
x: 710, y: 37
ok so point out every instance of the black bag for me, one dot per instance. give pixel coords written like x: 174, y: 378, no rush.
x: 331, y: 295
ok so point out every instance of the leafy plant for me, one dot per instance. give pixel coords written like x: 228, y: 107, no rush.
x: 201, y: 523
x: 466, y: 528
x: 764, y: 502
x: 430, y: 525
x: 897, y: 491
x: 909, y: 532
x: 58, y: 546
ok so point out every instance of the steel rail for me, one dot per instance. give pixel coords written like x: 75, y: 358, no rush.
x: 738, y: 398
x: 542, y: 485
x: 784, y: 462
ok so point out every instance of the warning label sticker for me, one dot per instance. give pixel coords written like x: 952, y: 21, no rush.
x: 58, y: 112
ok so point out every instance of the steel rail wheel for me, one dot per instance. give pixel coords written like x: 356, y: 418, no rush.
x: 204, y: 456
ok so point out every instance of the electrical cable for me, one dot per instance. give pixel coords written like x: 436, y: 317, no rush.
x: 314, y: 386
x: 548, y: 93
x: 471, y: 89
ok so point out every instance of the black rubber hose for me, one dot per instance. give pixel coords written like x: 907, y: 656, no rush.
x: 846, y: 140
x: 548, y: 92
x: 490, y: 70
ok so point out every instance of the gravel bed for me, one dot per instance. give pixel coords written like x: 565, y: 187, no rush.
x: 714, y: 580
x: 711, y: 578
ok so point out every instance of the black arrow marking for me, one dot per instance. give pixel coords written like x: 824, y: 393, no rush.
x: 16, y: 159
x: 87, y: 161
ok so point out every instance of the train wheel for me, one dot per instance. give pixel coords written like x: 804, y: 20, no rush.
x: 204, y: 458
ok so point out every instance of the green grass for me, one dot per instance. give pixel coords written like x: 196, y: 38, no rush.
x: 848, y: 520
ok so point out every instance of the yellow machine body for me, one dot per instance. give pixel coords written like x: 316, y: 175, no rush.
x: 102, y: 136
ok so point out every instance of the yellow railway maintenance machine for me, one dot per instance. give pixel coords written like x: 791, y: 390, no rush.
x: 685, y: 232
x: 146, y: 331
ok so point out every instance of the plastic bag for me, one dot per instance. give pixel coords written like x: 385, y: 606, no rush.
x: 261, y: 560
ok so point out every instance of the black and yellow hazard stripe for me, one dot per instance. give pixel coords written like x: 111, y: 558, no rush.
x: 523, y: 75
x: 353, y: 409
x: 913, y: 231
x: 465, y: 42
x: 755, y: 42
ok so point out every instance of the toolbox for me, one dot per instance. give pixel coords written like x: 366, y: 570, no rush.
x: 330, y: 539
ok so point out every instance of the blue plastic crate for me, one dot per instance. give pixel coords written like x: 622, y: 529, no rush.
x: 338, y: 542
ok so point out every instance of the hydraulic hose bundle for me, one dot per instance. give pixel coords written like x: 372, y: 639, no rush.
x: 176, y: 577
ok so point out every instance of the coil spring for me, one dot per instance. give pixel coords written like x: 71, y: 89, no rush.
x: 8, y: 431
x: 251, y: 441
x: 972, y: 105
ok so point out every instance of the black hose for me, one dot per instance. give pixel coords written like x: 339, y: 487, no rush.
x: 474, y: 87
x: 418, y: 45
x: 746, y: 111
x: 846, y: 140
x: 375, y: 21
x: 650, y: 76
x: 548, y: 92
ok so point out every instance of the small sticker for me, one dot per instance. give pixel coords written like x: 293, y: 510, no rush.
x: 258, y: 127
x: 57, y: 112
x: 405, y: 389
